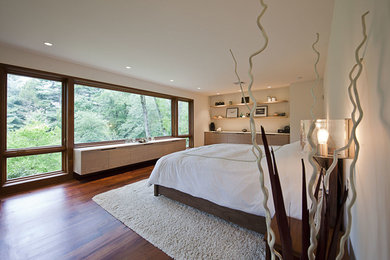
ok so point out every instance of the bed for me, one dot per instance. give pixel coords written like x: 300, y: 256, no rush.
x: 223, y: 179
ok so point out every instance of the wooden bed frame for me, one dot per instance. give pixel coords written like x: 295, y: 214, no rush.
x: 243, y: 219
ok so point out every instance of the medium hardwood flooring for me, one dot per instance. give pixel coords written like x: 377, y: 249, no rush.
x: 62, y: 222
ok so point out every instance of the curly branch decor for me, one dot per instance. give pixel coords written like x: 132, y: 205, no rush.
x: 312, y: 212
x: 355, y: 100
x: 256, y: 148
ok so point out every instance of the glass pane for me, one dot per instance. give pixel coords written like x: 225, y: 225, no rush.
x: 104, y: 115
x: 159, y: 116
x: 34, y: 164
x: 183, y: 118
x: 34, y: 112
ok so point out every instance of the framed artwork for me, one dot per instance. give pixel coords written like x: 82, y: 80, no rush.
x: 232, y: 112
x: 245, y: 101
x: 261, y: 111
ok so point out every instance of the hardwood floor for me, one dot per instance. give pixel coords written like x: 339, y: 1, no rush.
x: 62, y: 222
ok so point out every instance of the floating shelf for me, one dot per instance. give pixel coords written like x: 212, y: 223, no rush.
x: 250, y: 104
x: 258, y: 117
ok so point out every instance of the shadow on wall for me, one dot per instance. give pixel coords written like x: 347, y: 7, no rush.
x: 383, y: 87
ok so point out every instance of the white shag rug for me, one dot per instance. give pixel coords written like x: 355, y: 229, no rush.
x: 182, y: 232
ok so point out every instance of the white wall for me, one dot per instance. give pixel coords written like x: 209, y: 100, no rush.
x: 23, y: 58
x: 371, y: 214
x: 301, y: 101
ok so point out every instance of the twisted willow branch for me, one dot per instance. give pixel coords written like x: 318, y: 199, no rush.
x: 256, y: 148
x: 312, y: 212
x: 353, y: 136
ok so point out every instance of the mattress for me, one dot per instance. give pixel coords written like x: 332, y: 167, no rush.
x: 227, y: 175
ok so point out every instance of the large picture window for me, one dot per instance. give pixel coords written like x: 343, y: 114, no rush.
x: 44, y: 115
x: 34, y: 123
x: 104, y: 115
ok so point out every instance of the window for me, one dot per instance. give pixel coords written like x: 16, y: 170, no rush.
x: 24, y: 166
x: 43, y: 115
x: 105, y: 115
x: 184, y: 121
x: 34, y: 121
x: 33, y: 112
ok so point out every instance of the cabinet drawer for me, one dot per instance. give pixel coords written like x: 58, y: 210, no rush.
x: 93, y: 161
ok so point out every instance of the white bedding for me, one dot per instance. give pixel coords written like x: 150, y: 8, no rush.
x: 227, y: 175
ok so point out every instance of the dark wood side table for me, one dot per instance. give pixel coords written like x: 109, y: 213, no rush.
x: 296, y: 238
x: 336, y: 185
x: 296, y: 234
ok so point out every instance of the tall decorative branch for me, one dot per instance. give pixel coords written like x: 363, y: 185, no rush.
x: 355, y: 122
x: 312, y: 212
x: 355, y: 100
x: 256, y: 148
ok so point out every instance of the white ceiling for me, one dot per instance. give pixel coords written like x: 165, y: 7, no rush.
x: 187, y: 41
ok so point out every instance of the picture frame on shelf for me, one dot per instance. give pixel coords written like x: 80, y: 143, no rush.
x: 261, y: 111
x: 246, y: 100
x: 232, y: 112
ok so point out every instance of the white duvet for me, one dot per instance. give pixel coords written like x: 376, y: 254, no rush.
x: 227, y: 175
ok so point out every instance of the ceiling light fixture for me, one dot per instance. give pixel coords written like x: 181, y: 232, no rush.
x: 218, y: 93
x: 171, y: 80
x: 269, y: 87
x: 198, y: 88
x: 128, y: 67
x: 48, y: 44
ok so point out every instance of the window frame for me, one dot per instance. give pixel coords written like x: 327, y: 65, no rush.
x: 18, y: 152
x: 67, y: 143
x: 190, y: 134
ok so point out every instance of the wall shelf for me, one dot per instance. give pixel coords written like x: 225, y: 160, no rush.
x: 250, y: 104
x: 258, y: 117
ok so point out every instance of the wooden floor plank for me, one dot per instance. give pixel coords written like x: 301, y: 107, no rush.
x: 62, y: 222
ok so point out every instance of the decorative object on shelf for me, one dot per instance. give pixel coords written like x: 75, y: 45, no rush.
x: 279, y: 114
x: 142, y: 140
x: 244, y: 130
x: 273, y: 99
x: 219, y: 117
x: 212, y: 126
x: 230, y: 102
x: 231, y: 112
x: 219, y: 129
x: 219, y: 103
x: 248, y: 114
x: 246, y: 100
x: 269, y: 99
x: 261, y: 111
x: 285, y: 129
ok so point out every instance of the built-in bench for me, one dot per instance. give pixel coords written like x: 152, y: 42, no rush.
x: 99, y: 158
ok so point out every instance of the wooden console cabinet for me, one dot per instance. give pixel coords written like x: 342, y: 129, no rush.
x: 244, y: 138
x: 100, y: 158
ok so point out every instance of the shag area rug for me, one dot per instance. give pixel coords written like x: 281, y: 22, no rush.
x: 182, y: 232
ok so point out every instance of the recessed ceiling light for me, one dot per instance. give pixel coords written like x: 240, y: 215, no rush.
x: 218, y: 93
x: 48, y: 44
x: 269, y: 87
x: 171, y: 80
x: 198, y: 88
x: 128, y: 67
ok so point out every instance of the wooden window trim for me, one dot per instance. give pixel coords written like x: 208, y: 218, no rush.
x: 67, y: 142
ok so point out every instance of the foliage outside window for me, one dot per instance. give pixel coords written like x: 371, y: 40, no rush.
x: 183, y: 118
x: 33, y: 112
x: 105, y: 115
x: 23, y: 166
x: 34, y: 119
